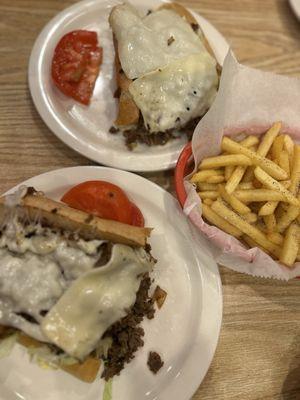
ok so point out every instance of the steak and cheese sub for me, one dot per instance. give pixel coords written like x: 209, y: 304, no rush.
x: 66, y: 279
x: 166, y: 73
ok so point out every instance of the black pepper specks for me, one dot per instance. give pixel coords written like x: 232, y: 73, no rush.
x: 188, y: 109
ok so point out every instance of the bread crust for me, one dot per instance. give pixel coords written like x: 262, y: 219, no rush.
x: 85, y: 371
x: 58, y: 215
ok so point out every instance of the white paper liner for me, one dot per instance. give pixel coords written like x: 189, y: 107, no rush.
x: 248, y: 101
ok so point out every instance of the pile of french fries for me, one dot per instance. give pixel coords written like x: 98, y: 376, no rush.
x: 251, y: 191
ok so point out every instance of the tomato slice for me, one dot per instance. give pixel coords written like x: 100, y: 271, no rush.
x: 105, y: 200
x: 76, y: 63
x: 137, y: 217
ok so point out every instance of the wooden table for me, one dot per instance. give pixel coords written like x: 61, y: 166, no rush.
x: 258, y: 356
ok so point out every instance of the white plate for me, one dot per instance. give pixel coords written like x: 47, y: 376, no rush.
x: 85, y: 129
x: 185, y: 331
x: 295, y: 4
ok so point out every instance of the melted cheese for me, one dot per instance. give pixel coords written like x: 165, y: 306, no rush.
x: 95, y: 301
x: 35, y: 271
x: 172, y: 96
x: 144, y: 43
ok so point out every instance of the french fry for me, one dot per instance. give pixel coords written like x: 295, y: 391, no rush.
x: 275, y: 237
x: 252, y: 243
x: 267, y: 165
x: 254, y: 195
x: 287, y: 218
x: 202, y: 176
x: 215, y: 179
x: 268, y: 139
x: 272, y: 184
x: 249, y: 141
x: 236, y: 204
x: 284, y: 161
x: 223, y: 161
x: 277, y: 147
x: 270, y: 222
x: 250, y: 217
x: 228, y: 171
x: 245, y: 185
x: 295, y: 172
x: 220, y: 208
x: 268, y: 208
x: 239, y: 171
x: 219, y: 222
x: 209, y: 194
x: 202, y: 186
x: 288, y: 145
x: 208, y: 202
x: 235, y: 179
x: 290, y: 245
x: 264, y: 146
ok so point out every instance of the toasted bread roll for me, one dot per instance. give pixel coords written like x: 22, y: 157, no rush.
x: 85, y: 371
x: 60, y: 216
x: 128, y: 113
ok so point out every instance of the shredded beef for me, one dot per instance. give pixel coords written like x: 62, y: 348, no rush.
x: 126, y: 334
x: 106, y: 249
x: 154, y: 362
x: 140, y: 134
x: 27, y: 317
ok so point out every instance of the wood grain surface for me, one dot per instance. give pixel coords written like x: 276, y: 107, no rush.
x: 258, y: 355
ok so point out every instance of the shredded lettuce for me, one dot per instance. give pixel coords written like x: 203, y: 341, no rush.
x: 45, y: 358
x: 7, y: 344
x: 107, y: 392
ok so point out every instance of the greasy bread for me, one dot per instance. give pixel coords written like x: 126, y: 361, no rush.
x: 128, y: 112
x: 88, y: 226
x: 85, y: 371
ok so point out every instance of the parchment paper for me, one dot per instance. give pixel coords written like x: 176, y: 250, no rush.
x: 248, y: 101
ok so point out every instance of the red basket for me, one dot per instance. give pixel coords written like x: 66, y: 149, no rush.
x: 184, y: 166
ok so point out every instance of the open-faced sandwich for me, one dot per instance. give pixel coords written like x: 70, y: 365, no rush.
x: 74, y: 287
x: 166, y: 73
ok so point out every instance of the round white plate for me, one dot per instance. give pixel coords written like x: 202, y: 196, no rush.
x: 295, y: 5
x: 185, y: 331
x: 86, y: 129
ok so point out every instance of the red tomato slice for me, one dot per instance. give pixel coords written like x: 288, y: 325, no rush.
x: 105, y: 200
x: 137, y: 217
x: 76, y: 63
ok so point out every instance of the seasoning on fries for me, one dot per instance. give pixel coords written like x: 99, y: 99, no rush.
x: 251, y: 191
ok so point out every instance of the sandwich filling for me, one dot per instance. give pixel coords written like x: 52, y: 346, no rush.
x: 64, y: 290
x: 174, y: 77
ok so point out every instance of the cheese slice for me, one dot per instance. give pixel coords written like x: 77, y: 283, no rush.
x: 95, y: 301
x: 148, y: 43
x: 177, y: 93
